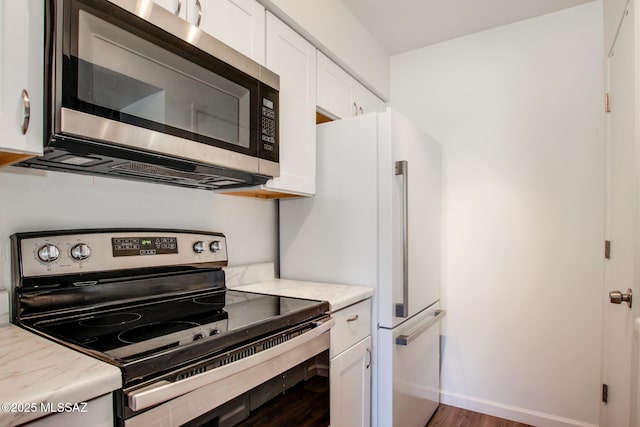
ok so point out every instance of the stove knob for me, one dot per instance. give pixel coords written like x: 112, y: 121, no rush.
x: 214, y: 332
x: 48, y: 253
x: 197, y: 337
x: 215, y: 246
x: 80, y: 251
x: 198, y: 247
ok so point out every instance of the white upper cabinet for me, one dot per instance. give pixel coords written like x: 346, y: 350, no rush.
x: 339, y: 95
x: 294, y: 59
x: 237, y: 23
x: 334, y: 89
x: 176, y: 6
x: 365, y: 100
x: 21, y: 82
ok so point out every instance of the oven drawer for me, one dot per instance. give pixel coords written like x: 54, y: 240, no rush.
x: 352, y: 325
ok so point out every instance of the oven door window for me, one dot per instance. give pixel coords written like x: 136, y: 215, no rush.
x: 118, y: 69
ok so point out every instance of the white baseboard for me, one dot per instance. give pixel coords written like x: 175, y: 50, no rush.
x: 513, y: 413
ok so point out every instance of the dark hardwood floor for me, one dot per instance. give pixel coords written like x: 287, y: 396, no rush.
x: 449, y: 416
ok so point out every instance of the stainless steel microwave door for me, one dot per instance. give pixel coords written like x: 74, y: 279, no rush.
x: 122, y: 72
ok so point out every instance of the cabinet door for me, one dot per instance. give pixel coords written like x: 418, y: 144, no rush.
x: 350, y: 385
x: 334, y: 89
x: 99, y: 413
x: 178, y: 7
x: 366, y: 101
x: 294, y: 59
x: 21, y: 77
x: 237, y: 23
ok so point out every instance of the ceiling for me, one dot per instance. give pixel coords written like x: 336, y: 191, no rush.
x: 402, y: 25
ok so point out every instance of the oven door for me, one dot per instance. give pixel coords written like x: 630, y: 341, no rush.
x: 123, y: 80
x: 229, y: 394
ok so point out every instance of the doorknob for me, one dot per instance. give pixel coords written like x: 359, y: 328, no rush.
x: 617, y: 297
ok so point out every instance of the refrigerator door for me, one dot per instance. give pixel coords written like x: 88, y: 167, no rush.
x: 409, y: 371
x: 410, y: 215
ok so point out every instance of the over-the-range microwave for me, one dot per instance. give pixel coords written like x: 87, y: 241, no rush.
x: 135, y: 92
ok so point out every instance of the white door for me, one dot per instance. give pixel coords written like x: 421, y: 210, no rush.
x: 621, y: 229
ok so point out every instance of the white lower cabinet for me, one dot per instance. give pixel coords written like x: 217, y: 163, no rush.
x: 97, y: 412
x: 350, y: 367
x: 350, y: 386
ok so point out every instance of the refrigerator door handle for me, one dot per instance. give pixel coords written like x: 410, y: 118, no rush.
x: 402, y: 168
x: 406, y: 339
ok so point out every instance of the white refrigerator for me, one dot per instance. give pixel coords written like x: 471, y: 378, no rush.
x: 376, y: 221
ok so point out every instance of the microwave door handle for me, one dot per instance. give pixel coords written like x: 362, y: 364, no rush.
x: 402, y: 309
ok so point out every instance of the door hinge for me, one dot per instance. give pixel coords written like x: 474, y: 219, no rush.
x: 607, y: 104
x: 605, y: 393
x: 607, y: 249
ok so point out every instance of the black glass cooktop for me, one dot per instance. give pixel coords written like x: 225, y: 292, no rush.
x: 204, y: 323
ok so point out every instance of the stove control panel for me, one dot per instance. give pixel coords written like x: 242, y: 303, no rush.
x: 146, y: 245
x: 63, y: 253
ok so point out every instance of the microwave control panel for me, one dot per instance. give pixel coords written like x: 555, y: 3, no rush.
x: 269, y: 125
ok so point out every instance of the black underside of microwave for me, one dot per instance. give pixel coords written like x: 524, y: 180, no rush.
x: 76, y: 155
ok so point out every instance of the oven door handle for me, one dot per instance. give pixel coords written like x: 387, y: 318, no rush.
x: 163, y: 391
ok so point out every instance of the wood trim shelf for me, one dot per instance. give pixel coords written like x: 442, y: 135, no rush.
x: 7, y: 158
x: 263, y: 194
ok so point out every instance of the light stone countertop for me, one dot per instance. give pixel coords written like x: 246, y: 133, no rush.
x: 35, y: 370
x: 338, y: 296
x: 259, y: 278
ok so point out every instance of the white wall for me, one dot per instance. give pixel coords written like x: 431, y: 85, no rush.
x: 333, y: 29
x: 37, y: 200
x: 519, y: 113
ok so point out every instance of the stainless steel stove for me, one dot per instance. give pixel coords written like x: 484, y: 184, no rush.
x: 154, y: 303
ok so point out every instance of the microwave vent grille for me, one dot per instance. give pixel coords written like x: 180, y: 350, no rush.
x: 155, y: 171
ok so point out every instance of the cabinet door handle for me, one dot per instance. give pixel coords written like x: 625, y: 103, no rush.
x: 361, y: 110
x: 178, y: 8
x: 355, y: 108
x: 199, y: 6
x: 26, y: 111
x: 370, y: 358
x: 352, y: 318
